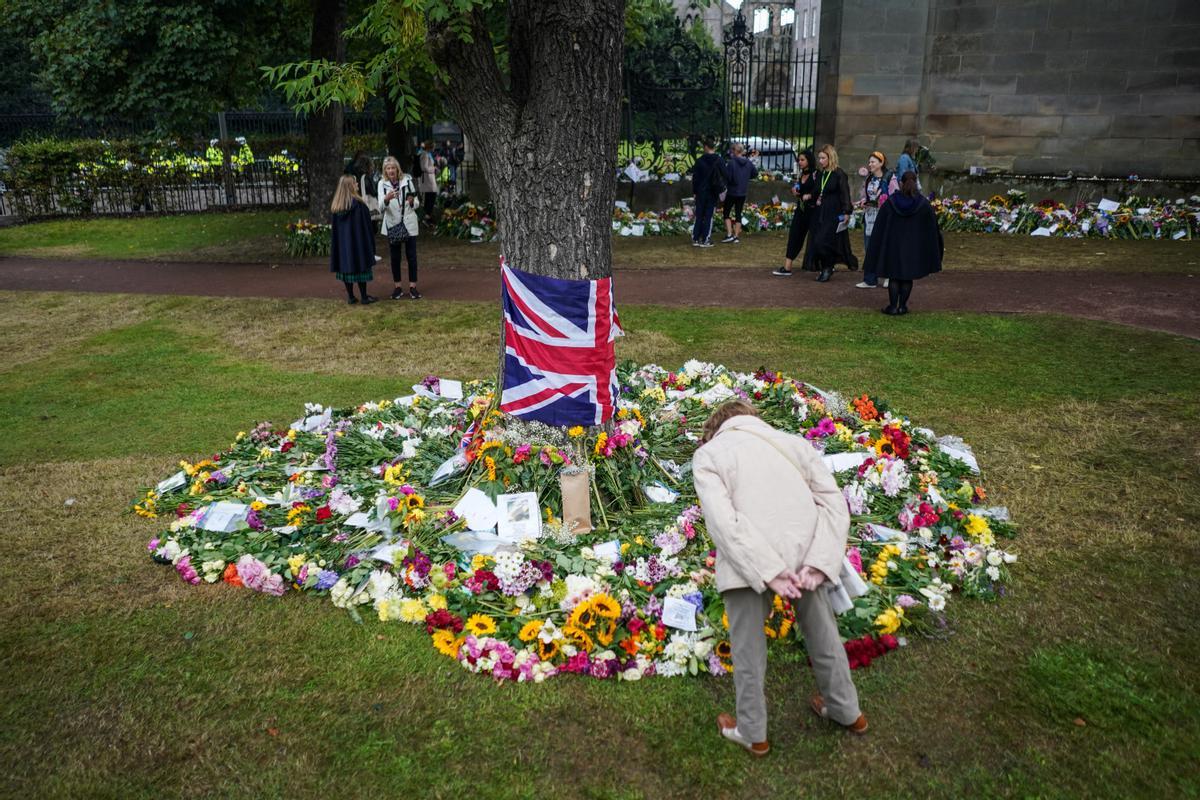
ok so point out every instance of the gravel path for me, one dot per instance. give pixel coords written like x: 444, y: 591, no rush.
x: 1164, y: 302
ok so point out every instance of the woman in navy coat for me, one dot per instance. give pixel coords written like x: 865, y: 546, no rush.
x: 352, y: 244
x: 906, y: 244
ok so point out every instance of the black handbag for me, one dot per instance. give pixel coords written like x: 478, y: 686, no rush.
x: 399, y: 233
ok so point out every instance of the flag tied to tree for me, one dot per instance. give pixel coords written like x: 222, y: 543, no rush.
x: 559, y: 364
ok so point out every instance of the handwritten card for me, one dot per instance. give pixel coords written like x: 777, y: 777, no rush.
x: 478, y: 510
x: 637, y: 230
x: 451, y: 390
x: 476, y: 231
x: 610, y: 551
x: 1108, y: 205
x: 657, y: 493
x: 224, y: 517
x: 679, y: 614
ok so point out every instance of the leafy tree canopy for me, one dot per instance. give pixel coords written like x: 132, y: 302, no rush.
x: 168, y: 62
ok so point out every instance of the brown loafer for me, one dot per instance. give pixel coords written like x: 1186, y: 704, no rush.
x: 859, y: 726
x: 727, y: 727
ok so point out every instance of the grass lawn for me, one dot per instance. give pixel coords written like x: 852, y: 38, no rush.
x: 122, y: 681
x: 258, y: 236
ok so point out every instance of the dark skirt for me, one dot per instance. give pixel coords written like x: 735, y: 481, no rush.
x: 355, y: 277
x: 826, y: 247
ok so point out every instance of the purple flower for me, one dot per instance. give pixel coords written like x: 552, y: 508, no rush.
x: 352, y: 561
x: 218, y: 476
x: 906, y: 601
x: 152, y: 545
x: 326, y: 578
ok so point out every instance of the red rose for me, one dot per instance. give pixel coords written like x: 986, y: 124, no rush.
x: 287, y: 446
x: 323, y: 513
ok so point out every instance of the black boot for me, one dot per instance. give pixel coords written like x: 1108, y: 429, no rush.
x: 366, y: 298
x: 905, y: 291
x: 893, y: 298
x: 350, y: 298
x: 825, y: 275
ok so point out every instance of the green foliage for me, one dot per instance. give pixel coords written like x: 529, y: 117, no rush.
x: 18, y: 95
x: 664, y: 53
x: 54, y: 176
x: 170, y: 63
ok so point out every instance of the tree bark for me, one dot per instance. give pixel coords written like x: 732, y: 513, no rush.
x: 399, y: 143
x: 325, y: 127
x: 546, y: 141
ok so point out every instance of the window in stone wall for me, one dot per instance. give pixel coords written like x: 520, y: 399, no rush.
x: 787, y: 17
x: 762, y: 19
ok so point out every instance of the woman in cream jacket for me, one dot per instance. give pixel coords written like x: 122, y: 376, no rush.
x: 398, y: 204
x: 779, y: 522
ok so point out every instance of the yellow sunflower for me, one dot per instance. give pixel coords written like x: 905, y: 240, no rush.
x: 547, y: 650
x: 530, y: 630
x: 445, y: 643
x: 579, y: 638
x: 604, y: 635
x: 583, y: 617
x: 605, y: 606
x: 415, y: 501
x: 480, y: 625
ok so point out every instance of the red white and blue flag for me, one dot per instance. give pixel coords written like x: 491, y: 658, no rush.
x: 559, y: 363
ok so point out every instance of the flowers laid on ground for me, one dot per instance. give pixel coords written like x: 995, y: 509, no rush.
x: 306, y: 238
x: 468, y: 221
x: 1134, y: 218
x: 344, y: 503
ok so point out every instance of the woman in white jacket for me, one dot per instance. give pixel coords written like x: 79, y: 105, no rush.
x: 398, y: 205
x: 780, y: 523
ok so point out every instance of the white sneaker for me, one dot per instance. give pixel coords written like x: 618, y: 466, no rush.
x: 885, y: 283
x: 727, y: 726
x: 705, y: 244
x: 782, y: 273
x: 729, y: 240
x: 695, y: 244
x: 864, y: 285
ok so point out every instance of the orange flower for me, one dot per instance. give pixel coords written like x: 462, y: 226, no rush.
x: 231, y: 576
x: 865, y: 408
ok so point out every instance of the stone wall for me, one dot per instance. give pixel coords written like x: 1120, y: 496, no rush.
x: 1103, y: 87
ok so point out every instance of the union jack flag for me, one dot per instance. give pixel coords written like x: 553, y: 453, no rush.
x: 559, y: 364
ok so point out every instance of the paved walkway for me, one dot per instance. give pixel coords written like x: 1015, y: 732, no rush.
x: 1164, y: 302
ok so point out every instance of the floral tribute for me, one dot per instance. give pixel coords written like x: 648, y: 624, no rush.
x: 344, y: 504
x: 1134, y: 218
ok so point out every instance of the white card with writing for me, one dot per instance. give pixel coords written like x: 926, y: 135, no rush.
x: 451, y: 390
x: 478, y: 510
x: 224, y: 517
x: 476, y: 231
x: 608, y: 550
x: 173, y: 482
x: 638, y: 230
x: 678, y: 613
x: 621, y: 204
x: 1108, y: 205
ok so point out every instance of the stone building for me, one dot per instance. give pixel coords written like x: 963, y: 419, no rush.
x: 1037, y: 87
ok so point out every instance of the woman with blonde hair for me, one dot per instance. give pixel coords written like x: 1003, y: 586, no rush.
x: 397, y: 203
x: 780, y: 524
x: 830, y: 238
x: 352, y: 240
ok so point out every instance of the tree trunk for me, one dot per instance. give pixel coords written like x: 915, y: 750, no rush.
x: 399, y: 142
x: 325, y: 127
x: 547, y: 142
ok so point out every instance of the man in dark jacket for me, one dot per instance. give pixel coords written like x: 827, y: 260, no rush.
x: 708, y: 184
x: 740, y: 171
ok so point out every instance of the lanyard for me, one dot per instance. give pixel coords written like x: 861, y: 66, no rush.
x: 824, y: 180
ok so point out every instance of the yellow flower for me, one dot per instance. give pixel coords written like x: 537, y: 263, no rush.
x: 480, y: 625
x: 601, y: 440
x: 436, y: 602
x: 582, y: 616
x: 257, y: 505
x: 479, y: 561
x: 578, y: 638
x: 241, y: 435
x: 415, y: 501
x: 296, y: 562
x: 291, y: 434
x: 575, y: 432
x: 889, y: 620
x: 530, y: 630
x: 445, y: 643
x: 606, y: 606
x: 412, y: 610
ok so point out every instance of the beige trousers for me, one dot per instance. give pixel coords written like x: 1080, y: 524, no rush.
x: 748, y: 610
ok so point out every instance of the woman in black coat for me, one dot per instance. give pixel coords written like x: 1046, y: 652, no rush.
x: 352, y: 242
x: 827, y: 245
x: 805, y: 191
x: 906, y: 244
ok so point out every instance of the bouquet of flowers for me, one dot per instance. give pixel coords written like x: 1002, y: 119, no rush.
x: 306, y: 238
x: 358, y: 505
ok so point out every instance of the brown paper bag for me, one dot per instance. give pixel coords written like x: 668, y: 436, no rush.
x: 576, y: 499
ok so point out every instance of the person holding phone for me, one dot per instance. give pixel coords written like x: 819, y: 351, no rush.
x: 876, y: 186
x: 739, y: 171
x: 398, y: 205
x: 780, y: 525
x: 830, y: 238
